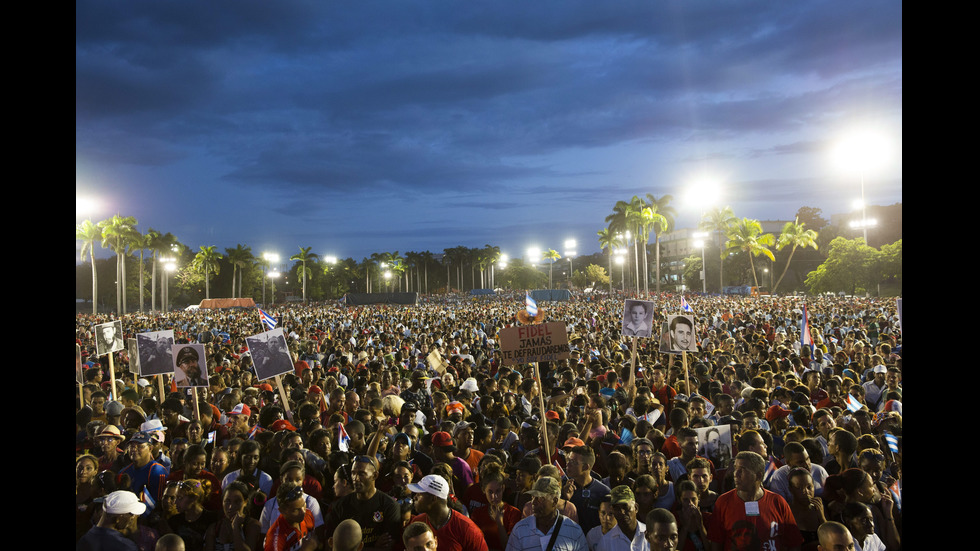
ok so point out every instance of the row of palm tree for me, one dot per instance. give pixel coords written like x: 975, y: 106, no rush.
x: 633, y: 222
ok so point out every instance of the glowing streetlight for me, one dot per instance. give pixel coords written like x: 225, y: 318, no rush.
x: 863, y: 150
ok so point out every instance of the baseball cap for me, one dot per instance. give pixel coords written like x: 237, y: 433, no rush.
x: 880, y: 369
x: 463, y: 425
x: 529, y: 464
x: 454, y: 406
x: 469, y: 384
x: 442, y: 439
x: 552, y: 415
x: 123, y: 501
x: 545, y: 487
x: 621, y: 494
x: 240, y: 409
x: 573, y: 442
x: 141, y: 438
x: 431, y: 484
x: 775, y: 412
x: 282, y: 424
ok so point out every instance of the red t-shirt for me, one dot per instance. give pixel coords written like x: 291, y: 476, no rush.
x: 774, y: 528
x: 459, y: 534
x: 491, y: 532
x: 282, y: 536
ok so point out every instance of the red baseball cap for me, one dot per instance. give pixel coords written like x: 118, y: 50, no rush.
x: 442, y: 439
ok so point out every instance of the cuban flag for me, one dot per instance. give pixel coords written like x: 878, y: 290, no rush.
x: 805, y: 338
x: 211, y: 436
x: 343, y: 443
x: 148, y: 500
x: 892, y: 441
x: 532, y: 306
x: 770, y: 470
x: 685, y: 307
x: 251, y: 435
x: 560, y: 470
x: 853, y: 404
x: 267, y: 320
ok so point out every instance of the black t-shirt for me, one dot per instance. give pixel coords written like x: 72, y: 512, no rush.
x: 377, y: 516
x: 193, y: 532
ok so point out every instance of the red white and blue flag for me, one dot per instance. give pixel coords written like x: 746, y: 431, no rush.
x: 853, y: 404
x: 343, y: 443
x: 531, y: 304
x: 805, y: 338
x: 685, y: 307
x: 267, y: 320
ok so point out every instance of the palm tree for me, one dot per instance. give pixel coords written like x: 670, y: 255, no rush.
x: 609, y: 240
x: 88, y: 233
x: 206, y: 261
x: 240, y: 258
x: 140, y: 242
x: 619, y: 225
x: 153, y: 243
x: 643, y: 220
x: 427, y: 257
x: 304, y: 256
x: 115, y: 233
x: 718, y: 220
x: 668, y: 213
x: 163, y: 244
x: 794, y: 235
x: 746, y: 236
x: 490, y: 256
x: 552, y: 255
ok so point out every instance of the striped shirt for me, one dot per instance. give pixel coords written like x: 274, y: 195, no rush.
x: 526, y: 537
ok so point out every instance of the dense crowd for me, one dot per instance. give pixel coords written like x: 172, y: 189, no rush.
x: 401, y: 427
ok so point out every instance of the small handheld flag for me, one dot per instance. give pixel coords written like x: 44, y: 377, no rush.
x: 685, y: 307
x: 805, y: 338
x: 532, y: 305
x: 343, y: 443
x: 892, y: 442
x: 853, y: 404
x: 267, y: 320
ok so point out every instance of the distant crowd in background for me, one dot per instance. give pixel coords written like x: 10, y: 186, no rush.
x: 400, y: 427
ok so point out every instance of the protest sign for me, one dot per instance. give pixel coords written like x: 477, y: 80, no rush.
x: 534, y: 343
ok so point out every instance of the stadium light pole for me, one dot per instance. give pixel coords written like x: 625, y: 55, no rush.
x: 863, y: 150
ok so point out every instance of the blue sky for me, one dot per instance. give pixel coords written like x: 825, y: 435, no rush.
x: 369, y: 126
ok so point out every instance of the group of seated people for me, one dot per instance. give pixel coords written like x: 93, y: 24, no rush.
x: 753, y: 442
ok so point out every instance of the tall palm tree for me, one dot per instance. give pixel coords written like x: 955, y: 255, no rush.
x: 427, y: 258
x: 115, y: 235
x: 619, y: 226
x: 490, y: 256
x: 153, y: 243
x: 609, y: 240
x: 240, y: 258
x: 166, y: 244
x: 304, y: 256
x: 88, y: 233
x: 794, y: 235
x: 553, y: 256
x: 669, y: 214
x: 643, y: 220
x: 746, y: 235
x: 140, y: 242
x: 206, y: 262
x: 717, y: 221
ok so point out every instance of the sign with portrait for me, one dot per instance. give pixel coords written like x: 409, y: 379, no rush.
x: 715, y: 443
x: 78, y: 365
x: 190, y: 366
x: 134, y: 357
x: 638, y: 318
x: 155, y: 351
x: 677, y: 335
x: 108, y: 337
x: 270, y: 354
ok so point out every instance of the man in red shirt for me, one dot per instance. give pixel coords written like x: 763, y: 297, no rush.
x: 454, y: 531
x: 293, y: 530
x: 751, y: 517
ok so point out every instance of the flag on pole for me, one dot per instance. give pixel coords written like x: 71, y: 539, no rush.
x: 146, y: 498
x: 251, y: 434
x: 853, y: 404
x: 211, y: 436
x: 532, y: 306
x: 560, y: 470
x: 267, y: 320
x: 685, y: 307
x: 892, y: 441
x: 343, y: 443
x: 805, y: 338
x: 770, y: 470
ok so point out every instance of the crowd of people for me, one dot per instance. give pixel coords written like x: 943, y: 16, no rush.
x: 400, y: 427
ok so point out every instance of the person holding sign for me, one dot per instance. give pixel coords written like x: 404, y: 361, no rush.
x: 188, y: 370
x: 637, y: 318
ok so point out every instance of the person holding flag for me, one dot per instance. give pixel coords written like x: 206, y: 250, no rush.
x: 268, y: 321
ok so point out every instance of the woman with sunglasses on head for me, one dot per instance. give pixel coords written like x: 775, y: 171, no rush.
x: 192, y: 519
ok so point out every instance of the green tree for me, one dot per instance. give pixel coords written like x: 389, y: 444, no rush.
x: 240, y: 258
x: 717, y: 221
x: 115, y: 236
x: 848, y: 268
x: 794, y: 235
x: 692, y: 271
x: 518, y: 275
x: 304, y: 256
x: 88, y: 232
x: 609, y: 240
x: 746, y: 236
x: 140, y: 242
x: 205, y: 263
x: 664, y: 222
x: 553, y: 256
x: 596, y: 275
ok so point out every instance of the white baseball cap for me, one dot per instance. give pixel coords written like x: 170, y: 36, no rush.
x: 431, y: 484
x: 123, y: 501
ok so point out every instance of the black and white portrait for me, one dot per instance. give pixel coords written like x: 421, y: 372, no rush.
x: 190, y: 365
x: 108, y: 337
x: 155, y: 349
x: 270, y: 354
x: 638, y: 318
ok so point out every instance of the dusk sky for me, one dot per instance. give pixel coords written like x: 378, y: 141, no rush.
x: 362, y: 127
